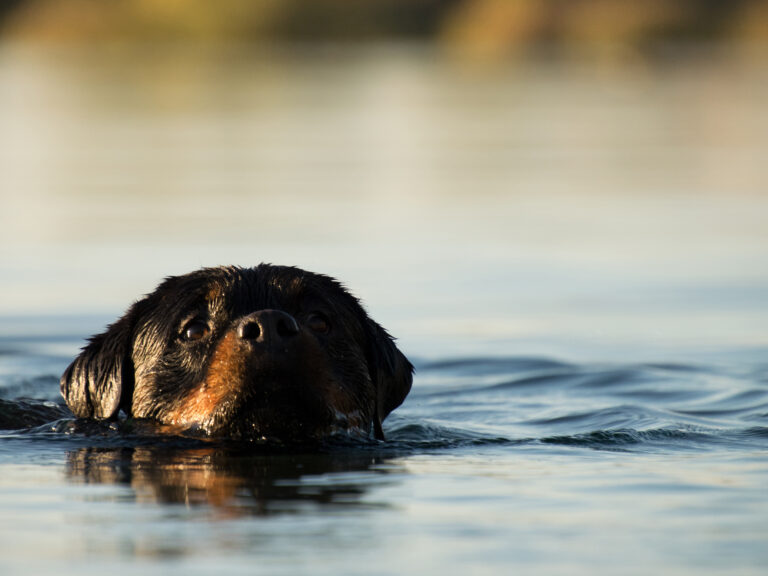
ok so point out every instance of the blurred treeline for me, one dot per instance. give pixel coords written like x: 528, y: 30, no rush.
x: 483, y: 28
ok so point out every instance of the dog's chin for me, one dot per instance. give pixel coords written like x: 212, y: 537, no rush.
x: 280, y: 434
x: 280, y: 423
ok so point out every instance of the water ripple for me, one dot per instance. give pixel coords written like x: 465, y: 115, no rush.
x: 505, y: 403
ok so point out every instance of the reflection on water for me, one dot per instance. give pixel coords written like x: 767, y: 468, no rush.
x: 228, y: 482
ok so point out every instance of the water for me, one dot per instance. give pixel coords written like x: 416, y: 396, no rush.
x: 492, y: 464
x: 575, y: 259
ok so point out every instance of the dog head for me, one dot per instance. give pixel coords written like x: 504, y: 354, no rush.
x: 268, y: 352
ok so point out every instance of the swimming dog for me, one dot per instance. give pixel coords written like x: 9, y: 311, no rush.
x: 267, y: 353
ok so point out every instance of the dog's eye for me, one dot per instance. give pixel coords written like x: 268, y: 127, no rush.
x: 318, y: 322
x: 195, y: 330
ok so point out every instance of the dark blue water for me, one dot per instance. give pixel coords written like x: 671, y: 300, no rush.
x: 492, y: 464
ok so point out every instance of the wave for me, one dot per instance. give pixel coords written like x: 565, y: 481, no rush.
x: 505, y: 403
x: 416, y: 437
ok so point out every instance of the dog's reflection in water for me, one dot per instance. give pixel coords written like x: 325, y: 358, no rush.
x: 231, y: 482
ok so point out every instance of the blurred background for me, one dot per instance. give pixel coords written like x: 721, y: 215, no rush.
x: 569, y: 177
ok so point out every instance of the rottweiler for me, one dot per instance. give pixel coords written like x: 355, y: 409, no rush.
x: 263, y: 353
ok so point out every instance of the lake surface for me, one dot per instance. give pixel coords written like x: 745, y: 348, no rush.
x: 575, y: 259
x: 493, y: 464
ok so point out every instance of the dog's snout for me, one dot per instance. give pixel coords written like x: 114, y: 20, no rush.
x: 267, y: 326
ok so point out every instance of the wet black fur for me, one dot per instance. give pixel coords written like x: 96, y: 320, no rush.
x: 141, y: 366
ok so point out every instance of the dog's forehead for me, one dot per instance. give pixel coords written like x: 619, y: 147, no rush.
x: 265, y: 286
x: 286, y: 287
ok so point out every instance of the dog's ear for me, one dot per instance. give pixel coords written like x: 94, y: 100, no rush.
x: 95, y: 383
x: 391, y: 372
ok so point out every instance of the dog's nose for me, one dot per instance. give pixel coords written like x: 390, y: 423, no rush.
x: 267, y: 326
